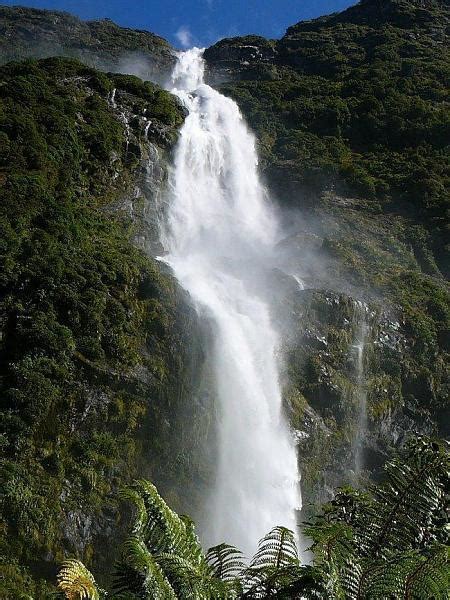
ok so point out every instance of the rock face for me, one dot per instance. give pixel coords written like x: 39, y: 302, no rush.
x: 351, y: 410
x: 33, y: 33
x: 99, y: 346
x: 241, y: 58
x: 343, y: 103
x: 331, y: 104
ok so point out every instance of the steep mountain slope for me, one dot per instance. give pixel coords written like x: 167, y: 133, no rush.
x: 352, y: 116
x: 33, y: 33
x: 356, y: 102
x: 99, y: 346
x: 97, y: 342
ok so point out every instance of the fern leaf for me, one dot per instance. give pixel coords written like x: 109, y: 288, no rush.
x: 276, y: 549
x: 139, y: 572
x: 76, y: 581
x: 225, y: 561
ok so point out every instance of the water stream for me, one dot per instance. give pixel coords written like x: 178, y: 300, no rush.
x: 220, y: 237
x: 360, y: 338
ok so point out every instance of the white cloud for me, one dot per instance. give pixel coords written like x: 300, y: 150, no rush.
x: 184, y: 36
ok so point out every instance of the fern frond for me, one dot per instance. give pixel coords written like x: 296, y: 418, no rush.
x: 413, y: 575
x: 225, y: 561
x: 132, y: 495
x: 162, y: 530
x: 190, y: 581
x: 431, y: 575
x: 275, y: 570
x: 332, y: 542
x: 76, y: 581
x: 276, y: 549
x: 138, y: 572
x: 407, y: 505
x: 292, y: 581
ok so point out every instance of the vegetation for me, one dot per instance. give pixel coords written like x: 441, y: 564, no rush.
x: 387, y: 543
x: 356, y: 102
x: 34, y: 33
x: 79, y: 303
x: 351, y: 113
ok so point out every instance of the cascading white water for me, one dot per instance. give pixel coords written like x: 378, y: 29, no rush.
x: 220, y: 236
x: 361, y: 330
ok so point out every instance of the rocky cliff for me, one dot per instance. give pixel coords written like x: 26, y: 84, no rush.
x: 351, y: 114
x: 33, y: 33
x: 98, y: 344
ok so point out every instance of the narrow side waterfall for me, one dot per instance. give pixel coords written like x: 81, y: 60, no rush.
x: 361, y: 331
x: 220, y: 236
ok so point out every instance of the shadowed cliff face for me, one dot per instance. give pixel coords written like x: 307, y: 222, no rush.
x: 33, y: 33
x: 98, y: 344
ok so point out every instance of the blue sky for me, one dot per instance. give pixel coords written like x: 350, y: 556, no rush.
x: 197, y: 22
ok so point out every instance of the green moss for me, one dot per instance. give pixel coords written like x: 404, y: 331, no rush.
x: 358, y: 103
x: 78, y: 305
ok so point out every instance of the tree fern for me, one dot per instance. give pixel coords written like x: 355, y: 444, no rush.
x: 226, y: 561
x: 189, y: 581
x: 77, y: 582
x: 429, y: 574
x: 412, y: 575
x: 276, y: 549
x: 139, y: 572
x: 164, y: 552
x: 407, y: 505
x: 333, y: 548
x: 162, y: 530
x: 275, y: 570
x: 387, y: 545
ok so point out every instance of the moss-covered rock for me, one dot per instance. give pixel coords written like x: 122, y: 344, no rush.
x: 95, y: 333
x: 355, y: 102
x: 351, y: 113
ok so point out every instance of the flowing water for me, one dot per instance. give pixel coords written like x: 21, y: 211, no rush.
x: 220, y: 237
x: 361, y: 331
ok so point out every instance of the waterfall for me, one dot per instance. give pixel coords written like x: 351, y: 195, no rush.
x: 360, y: 337
x: 220, y: 236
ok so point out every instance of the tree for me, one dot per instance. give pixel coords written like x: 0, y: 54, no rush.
x: 387, y: 543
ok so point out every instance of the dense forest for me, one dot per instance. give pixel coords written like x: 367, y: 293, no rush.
x: 100, y: 346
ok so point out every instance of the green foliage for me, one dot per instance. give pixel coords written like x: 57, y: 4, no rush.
x: 225, y: 561
x: 163, y: 556
x: 275, y: 570
x: 18, y: 583
x: 388, y: 543
x: 357, y: 103
x: 78, y: 301
x: 77, y: 582
x: 102, y: 44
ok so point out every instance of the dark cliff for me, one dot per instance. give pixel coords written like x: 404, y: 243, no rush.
x: 33, y: 33
x: 98, y: 344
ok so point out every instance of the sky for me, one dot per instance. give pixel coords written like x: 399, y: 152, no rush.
x: 187, y: 23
